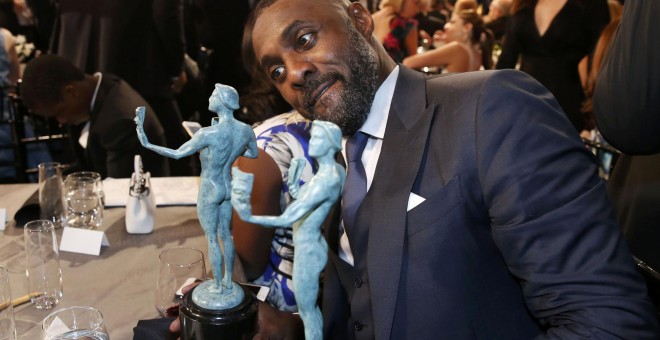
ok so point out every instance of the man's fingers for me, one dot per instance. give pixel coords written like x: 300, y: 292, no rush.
x: 175, y: 326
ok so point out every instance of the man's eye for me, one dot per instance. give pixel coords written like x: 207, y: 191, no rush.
x: 276, y: 73
x: 305, y: 40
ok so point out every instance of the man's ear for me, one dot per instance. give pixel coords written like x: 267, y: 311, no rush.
x: 70, y: 90
x: 361, y: 19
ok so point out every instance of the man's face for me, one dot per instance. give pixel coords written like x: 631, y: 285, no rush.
x: 71, y: 109
x: 318, y: 60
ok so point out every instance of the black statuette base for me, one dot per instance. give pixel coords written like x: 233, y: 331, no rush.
x: 199, y: 323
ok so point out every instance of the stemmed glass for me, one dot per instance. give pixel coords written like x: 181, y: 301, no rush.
x: 177, y: 267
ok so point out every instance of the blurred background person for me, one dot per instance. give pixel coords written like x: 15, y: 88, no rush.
x: 602, y: 46
x: 9, y: 75
x: 9, y: 69
x: 395, y: 27
x: 430, y: 19
x: 551, y: 37
x: 140, y: 41
x: 99, y: 110
x: 497, y: 18
x: 626, y: 105
x: 467, y: 45
x: 586, y: 64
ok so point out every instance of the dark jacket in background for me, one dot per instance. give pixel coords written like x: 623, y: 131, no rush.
x: 113, y: 142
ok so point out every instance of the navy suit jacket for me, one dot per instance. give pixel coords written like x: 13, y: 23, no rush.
x: 515, y: 239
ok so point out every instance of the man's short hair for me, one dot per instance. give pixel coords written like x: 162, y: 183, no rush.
x: 44, y: 77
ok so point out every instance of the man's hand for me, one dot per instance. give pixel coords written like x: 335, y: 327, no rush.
x: 175, y: 326
x: 275, y: 324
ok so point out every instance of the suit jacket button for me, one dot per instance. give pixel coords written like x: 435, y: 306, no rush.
x: 357, y: 325
x: 357, y: 282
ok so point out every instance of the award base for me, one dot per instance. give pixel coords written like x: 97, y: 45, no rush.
x: 239, y: 322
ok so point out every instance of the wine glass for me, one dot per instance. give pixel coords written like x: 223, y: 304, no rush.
x: 177, y: 268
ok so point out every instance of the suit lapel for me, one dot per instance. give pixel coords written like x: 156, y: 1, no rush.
x: 385, y: 205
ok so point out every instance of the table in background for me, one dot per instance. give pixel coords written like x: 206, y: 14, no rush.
x: 120, y: 282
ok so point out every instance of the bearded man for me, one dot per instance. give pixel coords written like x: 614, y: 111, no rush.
x: 484, y: 216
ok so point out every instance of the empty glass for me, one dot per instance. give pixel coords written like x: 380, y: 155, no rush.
x: 51, y: 194
x: 177, y: 267
x: 7, y: 325
x: 84, y: 200
x: 44, y: 276
x: 76, y: 322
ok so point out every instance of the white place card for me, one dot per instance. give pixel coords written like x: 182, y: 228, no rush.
x: 83, y: 241
x: 3, y: 218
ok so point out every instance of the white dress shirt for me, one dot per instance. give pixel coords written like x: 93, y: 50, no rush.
x: 375, y: 128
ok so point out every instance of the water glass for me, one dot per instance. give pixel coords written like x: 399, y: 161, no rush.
x: 84, y: 200
x: 76, y: 322
x: 177, y: 267
x: 51, y: 194
x: 7, y: 324
x: 44, y: 276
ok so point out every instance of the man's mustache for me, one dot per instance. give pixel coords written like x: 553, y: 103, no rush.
x: 310, y: 86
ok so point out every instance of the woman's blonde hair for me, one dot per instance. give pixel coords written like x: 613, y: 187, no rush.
x: 396, y: 4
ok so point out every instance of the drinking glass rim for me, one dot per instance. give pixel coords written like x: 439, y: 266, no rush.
x: 50, y: 164
x: 66, y: 309
x: 187, y: 264
x: 85, y: 175
x: 29, y: 226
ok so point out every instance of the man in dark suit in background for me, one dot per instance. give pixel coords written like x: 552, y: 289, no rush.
x: 99, y: 109
x: 484, y: 215
x: 142, y: 42
x: 627, y: 109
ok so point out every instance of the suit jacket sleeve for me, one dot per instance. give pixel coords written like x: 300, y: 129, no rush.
x: 551, y: 219
x: 627, y: 95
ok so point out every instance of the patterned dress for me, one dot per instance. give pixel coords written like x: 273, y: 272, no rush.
x: 284, y: 137
x: 395, y: 41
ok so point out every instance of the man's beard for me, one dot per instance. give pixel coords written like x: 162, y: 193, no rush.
x: 358, y: 93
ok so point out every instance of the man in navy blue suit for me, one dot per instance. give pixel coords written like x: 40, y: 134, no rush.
x: 484, y: 217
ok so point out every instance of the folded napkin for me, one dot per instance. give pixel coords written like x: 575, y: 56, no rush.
x: 154, y: 329
x: 167, y: 191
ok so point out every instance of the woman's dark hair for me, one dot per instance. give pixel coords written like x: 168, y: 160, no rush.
x: 467, y: 11
x: 261, y: 100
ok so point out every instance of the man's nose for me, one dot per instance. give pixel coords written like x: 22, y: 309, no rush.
x: 299, y: 71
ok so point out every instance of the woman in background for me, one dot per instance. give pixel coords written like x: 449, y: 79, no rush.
x: 8, y: 58
x: 551, y: 37
x: 467, y: 44
x: 396, y: 28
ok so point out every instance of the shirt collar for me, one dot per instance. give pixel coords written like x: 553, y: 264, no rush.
x: 380, y: 108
